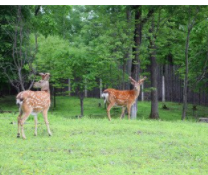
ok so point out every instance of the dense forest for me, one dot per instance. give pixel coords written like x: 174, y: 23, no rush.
x: 89, y: 48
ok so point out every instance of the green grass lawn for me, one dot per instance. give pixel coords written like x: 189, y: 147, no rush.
x: 93, y: 145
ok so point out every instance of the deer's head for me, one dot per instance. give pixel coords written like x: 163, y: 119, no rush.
x: 137, y: 84
x: 43, y: 83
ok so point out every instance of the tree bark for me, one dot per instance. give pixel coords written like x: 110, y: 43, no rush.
x: 85, y: 91
x: 142, y: 92
x: 139, y: 22
x: 69, y: 86
x: 191, y: 23
x: 21, y: 80
x: 135, y: 62
x: 123, y: 76
x: 185, y: 88
x: 154, y: 72
x: 54, y: 97
x: 163, y: 88
x: 82, y: 105
x: 129, y: 50
x: 154, y: 92
x: 101, y: 87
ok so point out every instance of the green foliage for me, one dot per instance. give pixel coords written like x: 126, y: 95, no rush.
x: 109, y: 38
x: 15, y: 50
x: 87, y: 43
x: 52, y: 19
x: 53, y: 56
x: 169, y: 35
x: 84, y: 69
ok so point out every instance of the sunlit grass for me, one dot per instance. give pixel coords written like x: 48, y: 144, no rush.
x: 93, y: 145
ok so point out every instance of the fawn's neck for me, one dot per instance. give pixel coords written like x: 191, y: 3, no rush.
x: 136, y: 92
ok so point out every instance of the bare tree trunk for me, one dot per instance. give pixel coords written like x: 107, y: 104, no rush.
x: 142, y: 92
x: 81, y: 94
x: 191, y: 23
x: 123, y: 76
x: 129, y: 65
x: 154, y: 72
x: 128, y: 56
x: 81, y: 97
x: 69, y: 86
x: 85, y: 91
x: 126, y: 67
x: 21, y: 80
x: 54, y: 97
x: 82, y: 105
x: 154, y: 92
x: 171, y: 82
x: 134, y: 110
x: 135, y: 62
x: 199, y: 96
x: 101, y: 87
x: 139, y: 22
x: 185, y: 88
x: 163, y: 88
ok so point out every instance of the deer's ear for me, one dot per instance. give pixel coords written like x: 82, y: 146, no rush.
x: 142, y: 80
x: 47, y: 76
x: 42, y: 75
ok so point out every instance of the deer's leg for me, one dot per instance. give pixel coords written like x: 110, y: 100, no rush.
x: 45, y: 115
x: 123, y: 112
x: 36, y: 124
x: 18, y: 123
x: 22, y: 121
x: 129, y: 111
x: 108, y: 110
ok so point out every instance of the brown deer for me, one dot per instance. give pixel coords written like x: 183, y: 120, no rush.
x: 125, y: 98
x: 34, y: 102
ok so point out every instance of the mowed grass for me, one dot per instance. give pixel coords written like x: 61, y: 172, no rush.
x: 93, y: 145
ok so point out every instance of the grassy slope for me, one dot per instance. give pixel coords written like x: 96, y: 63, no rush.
x: 97, y: 146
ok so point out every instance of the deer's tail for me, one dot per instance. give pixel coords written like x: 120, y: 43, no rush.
x: 105, y: 95
x: 19, y: 99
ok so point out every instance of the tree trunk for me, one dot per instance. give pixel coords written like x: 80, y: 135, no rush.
x: 21, y: 80
x: 134, y: 110
x: 154, y: 92
x: 69, y: 86
x: 123, y: 76
x: 142, y: 92
x: 163, y: 88
x: 54, y: 97
x: 135, y: 62
x: 185, y: 88
x: 85, y: 91
x: 154, y: 72
x: 129, y: 50
x: 129, y: 65
x: 82, y: 105
x: 101, y: 87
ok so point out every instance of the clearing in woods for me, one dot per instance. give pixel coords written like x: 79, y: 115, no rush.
x: 93, y: 145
